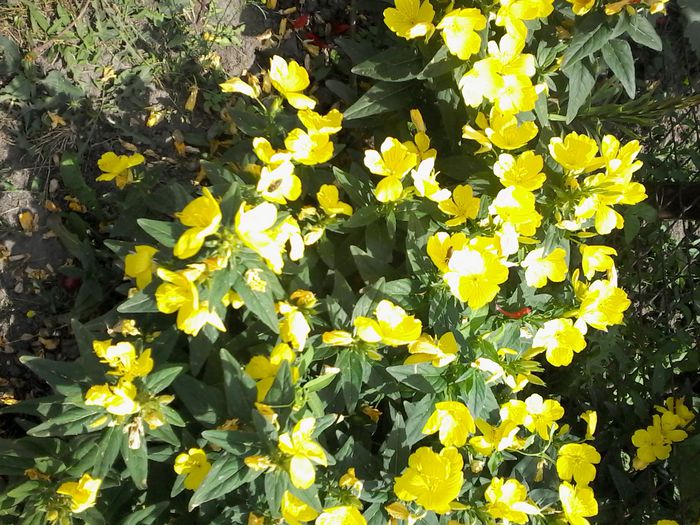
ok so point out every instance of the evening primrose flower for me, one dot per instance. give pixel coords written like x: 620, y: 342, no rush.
x: 459, y: 31
x: 581, y: 7
x: 238, y: 85
x: 194, y: 465
x: 575, y: 152
x: 253, y: 225
x: 475, y: 273
x: 410, y: 18
x: 393, y: 161
x: 542, y: 415
x: 328, y: 124
x: 540, y: 268
x: 432, y: 480
x: 267, y: 154
x: 328, y: 198
x: 279, y: 184
x: 294, y: 328
x: 512, y: 13
x: 596, y: 259
x: 516, y: 206
x: 140, y: 265
x: 676, y: 406
x: 295, y: 511
x: 461, y: 206
x: 561, y: 339
x: 602, y: 305
x: 507, y: 500
x: 439, y: 352
x: 501, y: 130
x: 492, y: 438
x: 453, y: 421
x: 290, y: 80
x: 578, y: 503
x: 342, y: 515
x: 203, y: 217
x: 122, y: 358
x: 425, y: 181
x: 304, y: 453
x: 264, y: 369
x: 118, y: 400
x: 577, y: 461
x: 118, y: 167
x: 524, y: 171
x: 393, y: 326
x: 195, y: 318
x: 83, y: 493
x: 309, y: 148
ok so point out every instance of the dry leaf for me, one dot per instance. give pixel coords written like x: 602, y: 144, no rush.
x: 51, y: 206
x: 192, y: 98
x: 48, y: 343
x: 128, y: 146
x: 56, y: 120
x: 27, y: 221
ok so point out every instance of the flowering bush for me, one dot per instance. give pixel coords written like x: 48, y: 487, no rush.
x: 351, y: 322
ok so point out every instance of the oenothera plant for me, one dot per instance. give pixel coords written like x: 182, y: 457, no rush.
x: 348, y: 326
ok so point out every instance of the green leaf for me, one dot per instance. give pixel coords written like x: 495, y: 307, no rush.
x: 381, y: 98
x: 165, y: 232
x: 56, y: 83
x: 584, y: 44
x: 618, y: 56
x: 239, y: 387
x: 281, y: 393
x: 261, y: 304
x: 19, y: 88
x: 107, y: 451
x: 320, y: 382
x: 75, y: 183
x: 581, y: 83
x: 136, y: 460
x: 351, y: 374
x: 362, y: 217
x: 442, y: 62
x: 202, y: 401
x: 140, y: 302
x: 226, y: 475
x: 10, y: 57
x: 423, y: 377
x: 395, y: 64
x: 233, y: 441
x: 64, y: 378
x: 162, y: 378
x: 642, y: 32
x: 147, y: 515
x: 72, y: 422
x: 249, y: 123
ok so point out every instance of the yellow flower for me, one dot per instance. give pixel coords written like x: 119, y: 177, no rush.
x: 654, y: 442
x: 309, y: 148
x: 462, y: 206
x: 432, y: 480
x: 252, y: 227
x: 232, y: 299
x: 410, y: 18
x: 267, y: 154
x: 577, y: 460
x: 596, y: 259
x: 350, y: 482
x: 238, y: 85
x: 203, y: 216
x: 421, y: 146
x: 122, y: 357
x: 503, y: 77
x: 575, y: 152
x: 295, y: 511
x: 118, y: 167
x: 328, y: 124
x: 194, y: 465
x: 540, y: 268
x: 264, y: 369
x: 507, y: 500
x: 294, y: 328
x: 513, y: 12
x: 475, y: 272
x: 392, y: 326
x: 561, y: 339
x: 666, y: 522
x: 426, y: 349
x: 524, y: 171
x: 140, y: 265
x: 581, y: 7
x: 279, y: 183
x: 343, y: 515
x: 304, y: 452
x: 82, y: 493
x: 337, y: 338
x: 119, y: 399
x: 394, y: 161
x: 542, y: 415
x: 329, y: 200
x: 459, y: 31
x: 193, y: 319
x: 578, y: 503
x: 516, y: 206
x: 676, y: 406
x: 501, y: 130
x: 591, y: 419
x: 602, y: 305
x: 453, y: 421
x: 425, y: 181
x: 502, y: 437
x: 291, y: 79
